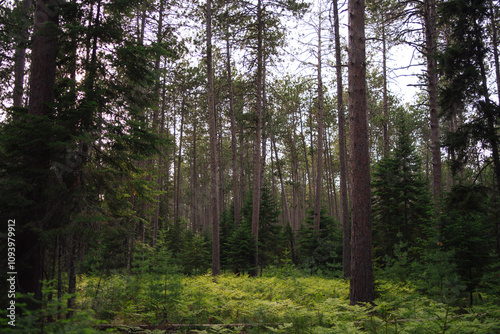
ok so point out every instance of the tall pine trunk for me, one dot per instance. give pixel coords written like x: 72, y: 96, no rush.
x: 42, y: 83
x: 432, y: 89
x: 213, y: 149
x: 319, y: 162
x: 385, y: 104
x: 344, y: 205
x: 234, y: 153
x: 361, y: 283
x: 257, y: 163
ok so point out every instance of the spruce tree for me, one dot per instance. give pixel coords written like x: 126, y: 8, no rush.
x: 400, y: 195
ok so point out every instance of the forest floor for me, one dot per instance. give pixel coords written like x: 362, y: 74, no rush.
x: 284, y: 303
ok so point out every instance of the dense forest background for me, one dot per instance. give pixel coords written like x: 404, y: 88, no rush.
x: 223, y: 136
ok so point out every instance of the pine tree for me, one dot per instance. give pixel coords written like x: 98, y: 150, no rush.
x: 361, y: 284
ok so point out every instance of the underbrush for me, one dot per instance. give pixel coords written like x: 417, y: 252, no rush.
x: 286, y: 304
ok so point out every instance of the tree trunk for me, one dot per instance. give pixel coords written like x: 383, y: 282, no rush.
x: 319, y: 162
x: 195, y: 204
x: 361, y: 284
x: 72, y: 274
x: 494, y: 42
x: 234, y: 153
x: 42, y: 83
x: 432, y: 88
x: 43, y: 57
x: 306, y: 159
x: 257, y: 163
x: 385, y: 104
x: 282, y: 184
x: 344, y: 205
x: 178, y: 175
x: 20, y: 56
x: 213, y: 149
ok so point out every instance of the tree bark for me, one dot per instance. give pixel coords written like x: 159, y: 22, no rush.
x: 178, y: 175
x: 361, y: 283
x: 234, y: 153
x: 385, y: 104
x: 195, y: 204
x: 344, y: 204
x: 20, y: 56
x: 42, y: 83
x: 306, y: 159
x: 494, y: 42
x: 43, y: 57
x: 257, y: 163
x: 213, y: 149
x: 319, y: 162
x: 432, y: 88
x: 282, y: 184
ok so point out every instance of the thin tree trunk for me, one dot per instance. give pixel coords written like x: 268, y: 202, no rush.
x: 494, y: 38
x: 20, y: 56
x: 158, y: 107
x: 306, y: 159
x: 319, y: 162
x: 234, y: 153
x: 282, y: 184
x: 178, y: 175
x: 213, y: 149
x: 385, y: 104
x: 344, y: 204
x: 313, y: 170
x: 361, y: 279
x: 432, y: 88
x: 331, y: 180
x: 72, y: 275
x: 195, y: 204
x: 257, y: 143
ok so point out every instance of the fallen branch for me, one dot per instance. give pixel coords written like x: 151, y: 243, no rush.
x: 176, y: 327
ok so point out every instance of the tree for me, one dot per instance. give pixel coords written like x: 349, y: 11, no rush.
x: 400, y: 198
x: 465, y: 82
x: 42, y: 88
x: 344, y: 216
x: 361, y: 283
x: 319, y: 145
x: 429, y: 15
x: 319, y: 251
x: 213, y: 149
x: 257, y: 163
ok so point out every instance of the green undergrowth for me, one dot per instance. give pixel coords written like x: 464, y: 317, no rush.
x: 286, y: 304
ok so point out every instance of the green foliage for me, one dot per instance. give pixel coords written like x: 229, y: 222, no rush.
x: 466, y: 230
x: 401, y: 200
x: 321, y: 253
x: 305, y: 305
x: 237, y: 248
x: 195, y: 256
x: 240, y: 249
x: 51, y: 315
x: 151, y: 293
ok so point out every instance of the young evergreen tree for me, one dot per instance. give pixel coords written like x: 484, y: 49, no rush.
x: 321, y: 251
x: 400, y: 196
